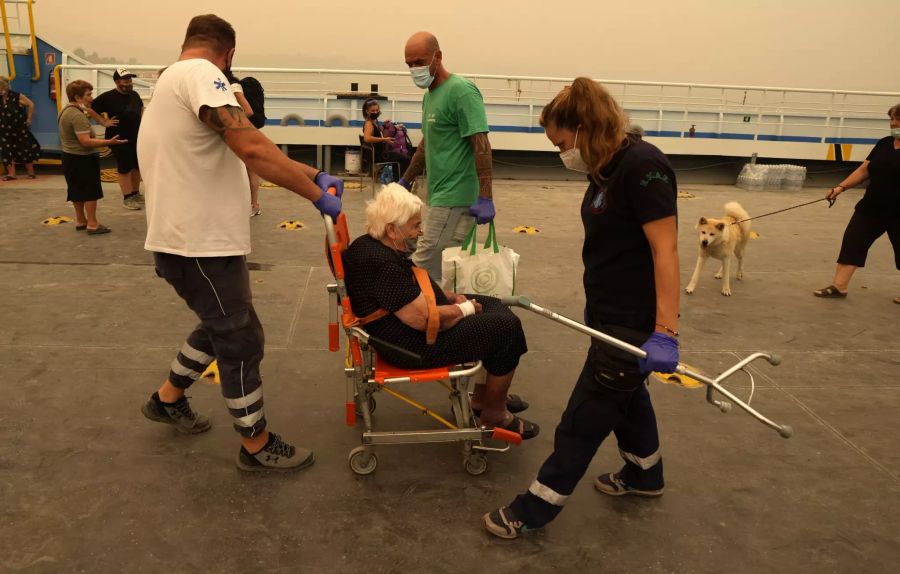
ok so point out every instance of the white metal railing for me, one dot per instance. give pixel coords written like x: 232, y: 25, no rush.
x: 514, y: 102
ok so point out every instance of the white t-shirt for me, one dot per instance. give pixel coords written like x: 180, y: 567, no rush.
x: 197, y: 192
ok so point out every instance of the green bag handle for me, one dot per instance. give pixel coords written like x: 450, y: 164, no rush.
x: 492, y: 238
x: 471, y: 242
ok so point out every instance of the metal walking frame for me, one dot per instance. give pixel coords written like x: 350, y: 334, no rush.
x: 712, y: 385
x: 367, y: 374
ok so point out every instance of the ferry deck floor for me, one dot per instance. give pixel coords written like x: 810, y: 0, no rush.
x: 88, y: 485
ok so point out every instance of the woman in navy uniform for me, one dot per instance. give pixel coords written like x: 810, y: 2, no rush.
x: 631, y: 282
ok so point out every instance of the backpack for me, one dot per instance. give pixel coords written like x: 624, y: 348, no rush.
x: 401, y: 143
x: 256, y: 97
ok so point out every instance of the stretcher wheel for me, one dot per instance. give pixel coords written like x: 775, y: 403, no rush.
x: 476, y: 464
x: 372, y: 405
x: 362, y: 462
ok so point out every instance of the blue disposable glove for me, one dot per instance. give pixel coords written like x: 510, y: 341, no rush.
x: 328, y: 205
x: 405, y: 184
x: 324, y: 181
x: 662, y: 354
x: 483, y: 210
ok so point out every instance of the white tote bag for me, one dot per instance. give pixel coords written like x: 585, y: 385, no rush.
x: 481, y: 270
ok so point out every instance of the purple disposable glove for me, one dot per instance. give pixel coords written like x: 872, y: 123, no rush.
x: 328, y: 205
x: 325, y: 180
x: 405, y: 184
x: 662, y: 354
x: 483, y: 210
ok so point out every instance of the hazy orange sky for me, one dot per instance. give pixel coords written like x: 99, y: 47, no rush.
x: 797, y: 43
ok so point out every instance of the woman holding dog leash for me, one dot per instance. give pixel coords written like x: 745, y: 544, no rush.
x: 631, y: 281
x: 876, y: 213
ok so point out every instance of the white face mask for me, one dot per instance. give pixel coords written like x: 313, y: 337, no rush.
x: 895, y: 132
x: 572, y: 159
x: 422, y: 76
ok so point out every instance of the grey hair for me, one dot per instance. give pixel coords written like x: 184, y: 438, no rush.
x: 894, y: 112
x: 394, y: 204
x: 636, y: 129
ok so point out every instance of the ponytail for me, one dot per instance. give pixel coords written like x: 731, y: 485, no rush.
x: 588, y: 107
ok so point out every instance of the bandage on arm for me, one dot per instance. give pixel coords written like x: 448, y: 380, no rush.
x: 467, y: 308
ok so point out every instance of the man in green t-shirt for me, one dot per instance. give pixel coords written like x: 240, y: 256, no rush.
x: 455, y: 150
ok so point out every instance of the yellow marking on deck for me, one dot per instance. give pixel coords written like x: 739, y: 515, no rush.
x: 57, y: 220
x: 678, y: 380
x: 211, y: 374
x: 526, y: 229
x: 291, y: 224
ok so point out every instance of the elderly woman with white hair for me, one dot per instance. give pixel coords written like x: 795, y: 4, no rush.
x: 400, y: 304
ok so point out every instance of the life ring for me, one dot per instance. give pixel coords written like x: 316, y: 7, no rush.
x: 336, y: 120
x: 286, y: 120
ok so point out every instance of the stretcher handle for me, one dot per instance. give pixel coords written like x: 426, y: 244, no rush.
x: 521, y: 301
x: 506, y: 436
x: 329, y: 222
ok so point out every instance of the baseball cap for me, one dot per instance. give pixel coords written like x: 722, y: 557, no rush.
x: 121, y: 74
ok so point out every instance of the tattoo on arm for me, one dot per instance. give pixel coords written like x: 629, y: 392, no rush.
x: 416, y: 164
x: 225, y: 119
x: 481, y: 147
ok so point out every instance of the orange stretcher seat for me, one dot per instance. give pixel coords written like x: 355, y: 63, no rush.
x: 385, y: 370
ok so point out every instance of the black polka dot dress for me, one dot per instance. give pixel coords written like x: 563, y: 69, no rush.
x: 17, y: 143
x: 379, y: 277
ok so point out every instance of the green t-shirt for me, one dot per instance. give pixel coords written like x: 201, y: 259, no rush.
x: 72, y: 121
x: 450, y: 114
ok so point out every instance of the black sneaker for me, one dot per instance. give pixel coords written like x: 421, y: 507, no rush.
x: 276, y: 455
x: 504, y: 524
x: 613, y: 485
x: 178, y: 414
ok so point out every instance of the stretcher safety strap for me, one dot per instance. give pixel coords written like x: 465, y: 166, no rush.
x: 434, y: 321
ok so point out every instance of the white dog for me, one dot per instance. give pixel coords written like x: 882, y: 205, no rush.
x: 723, y: 239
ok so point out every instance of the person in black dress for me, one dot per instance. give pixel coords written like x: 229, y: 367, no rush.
x: 17, y: 143
x: 379, y: 275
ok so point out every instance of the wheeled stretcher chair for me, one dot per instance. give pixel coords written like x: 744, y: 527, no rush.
x: 368, y: 374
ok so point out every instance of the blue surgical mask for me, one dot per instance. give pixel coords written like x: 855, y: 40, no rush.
x: 895, y: 132
x: 422, y: 76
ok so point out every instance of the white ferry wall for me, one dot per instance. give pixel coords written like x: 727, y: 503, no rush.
x: 735, y: 121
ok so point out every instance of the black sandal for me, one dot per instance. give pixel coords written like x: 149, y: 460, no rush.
x: 830, y: 292
x: 9, y: 177
x: 100, y: 230
x: 526, y: 429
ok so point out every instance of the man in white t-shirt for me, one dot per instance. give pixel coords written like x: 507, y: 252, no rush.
x: 195, y: 147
